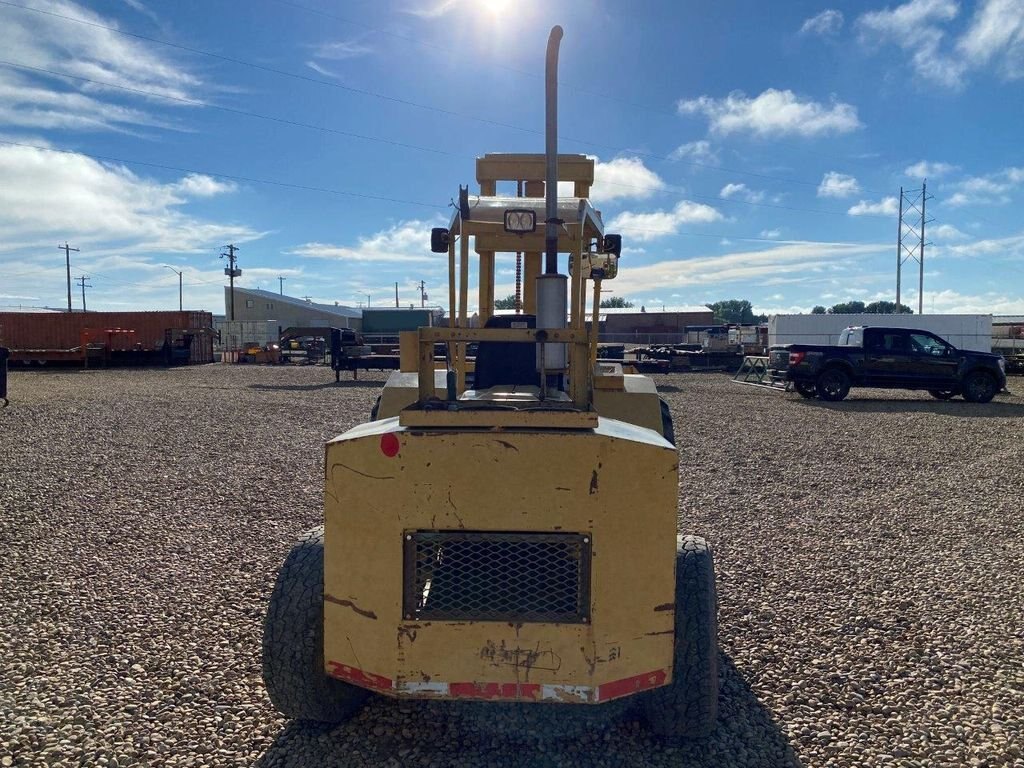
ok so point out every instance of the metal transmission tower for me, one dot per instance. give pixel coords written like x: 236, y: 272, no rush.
x: 232, y: 271
x: 82, y: 281
x: 910, y: 240
x: 67, y: 261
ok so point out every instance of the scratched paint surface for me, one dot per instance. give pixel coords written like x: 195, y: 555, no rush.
x: 619, y: 490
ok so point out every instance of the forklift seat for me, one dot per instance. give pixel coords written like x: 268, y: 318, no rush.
x: 506, y: 362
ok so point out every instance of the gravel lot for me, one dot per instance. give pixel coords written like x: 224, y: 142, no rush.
x: 870, y: 562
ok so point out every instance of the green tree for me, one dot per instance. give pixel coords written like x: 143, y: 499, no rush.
x: 739, y: 311
x: 887, y: 308
x: 847, y: 308
x: 509, y: 302
x: 616, y: 302
x: 818, y: 310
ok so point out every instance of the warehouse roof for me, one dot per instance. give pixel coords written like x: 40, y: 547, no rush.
x: 334, y: 309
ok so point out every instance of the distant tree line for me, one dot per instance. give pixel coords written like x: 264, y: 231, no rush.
x: 859, y: 308
x: 741, y: 311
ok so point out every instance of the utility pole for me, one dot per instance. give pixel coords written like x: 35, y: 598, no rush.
x: 396, y: 295
x: 910, y: 240
x: 67, y: 261
x: 82, y: 281
x: 423, y: 294
x: 232, y: 272
x: 178, y: 273
x: 280, y: 284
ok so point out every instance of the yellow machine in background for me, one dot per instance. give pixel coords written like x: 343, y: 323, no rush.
x: 515, y: 540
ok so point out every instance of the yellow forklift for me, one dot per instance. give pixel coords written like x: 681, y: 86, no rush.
x: 514, y: 541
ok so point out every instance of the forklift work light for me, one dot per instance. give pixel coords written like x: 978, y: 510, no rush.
x: 520, y: 221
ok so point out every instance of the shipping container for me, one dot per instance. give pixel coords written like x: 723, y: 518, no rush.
x: 27, y: 332
x: 972, y: 332
x: 393, y: 321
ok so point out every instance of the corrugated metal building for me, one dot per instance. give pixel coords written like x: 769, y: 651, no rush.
x: 253, y: 305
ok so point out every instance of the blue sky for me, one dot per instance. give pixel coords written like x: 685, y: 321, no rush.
x: 745, y: 149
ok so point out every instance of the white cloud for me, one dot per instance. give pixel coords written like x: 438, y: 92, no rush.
x: 1010, y: 247
x: 953, y: 302
x: 731, y: 189
x: 405, y: 242
x: 947, y: 232
x: 887, y: 206
x: 773, y: 113
x: 741, y: 192
x: 991, y: 189
x: 914, y: 26
x: 433, y: 10
x: 996, y: 34
x: 927, y: 170
x: 834, y: 184
x: 828, y: 22
x: 696, y: 151
x: 104, y: 203
x: 340, y: 50
x: 46, y: 42
x: 994, y: 38
x: 650, y: 226
x: 771, y: 234
x: 201, y: 185
x: 624, y: 177
x: 786, y: 262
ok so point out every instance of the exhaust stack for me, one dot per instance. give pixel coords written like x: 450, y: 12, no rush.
x: 552, y: 288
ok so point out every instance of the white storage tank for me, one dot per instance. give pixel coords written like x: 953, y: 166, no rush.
x: 973, y: 332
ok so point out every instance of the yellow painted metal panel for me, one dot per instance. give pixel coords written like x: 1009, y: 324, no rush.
x: 617, y: 484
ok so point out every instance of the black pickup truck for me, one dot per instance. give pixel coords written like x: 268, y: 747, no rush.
x: 892, y: 358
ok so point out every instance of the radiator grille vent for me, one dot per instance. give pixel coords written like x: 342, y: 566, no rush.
x: 483, y: 576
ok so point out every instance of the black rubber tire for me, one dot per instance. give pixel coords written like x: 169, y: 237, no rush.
x: 979, y: 387
x: 293, y: 642
x: 806, y: 390
x: 688, y: 706
x: 833, y: 384
x: 668, y: 430
x: 942, y: 394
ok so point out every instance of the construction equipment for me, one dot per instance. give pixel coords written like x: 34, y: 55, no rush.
x: 265, y: 354
x: 516, y: 541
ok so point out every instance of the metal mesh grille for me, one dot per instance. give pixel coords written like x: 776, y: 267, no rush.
x: 482, y: 576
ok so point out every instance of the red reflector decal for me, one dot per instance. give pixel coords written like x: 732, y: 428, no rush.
x: 389, y: 445
x: 358, y: 677
x: 630, y: 685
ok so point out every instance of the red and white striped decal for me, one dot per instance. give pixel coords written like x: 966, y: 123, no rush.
x: 501, y: 691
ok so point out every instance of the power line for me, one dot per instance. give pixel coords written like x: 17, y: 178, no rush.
x: 230, y: 177
x: 230, y: 110
x: 397, y: 100
x: 274, y: 70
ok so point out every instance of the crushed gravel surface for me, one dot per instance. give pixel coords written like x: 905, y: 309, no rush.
x: 870, y: 560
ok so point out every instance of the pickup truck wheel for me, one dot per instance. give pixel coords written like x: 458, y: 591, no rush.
x: 833, y: 385
x: 942, y: 394
x: 806, y: 390
x: 979, y: 387
x: 688, y: 706
x: 293, y: 642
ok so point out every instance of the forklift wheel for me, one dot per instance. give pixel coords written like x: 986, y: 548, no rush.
x: 293, y: 642
x: 688, y: 706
